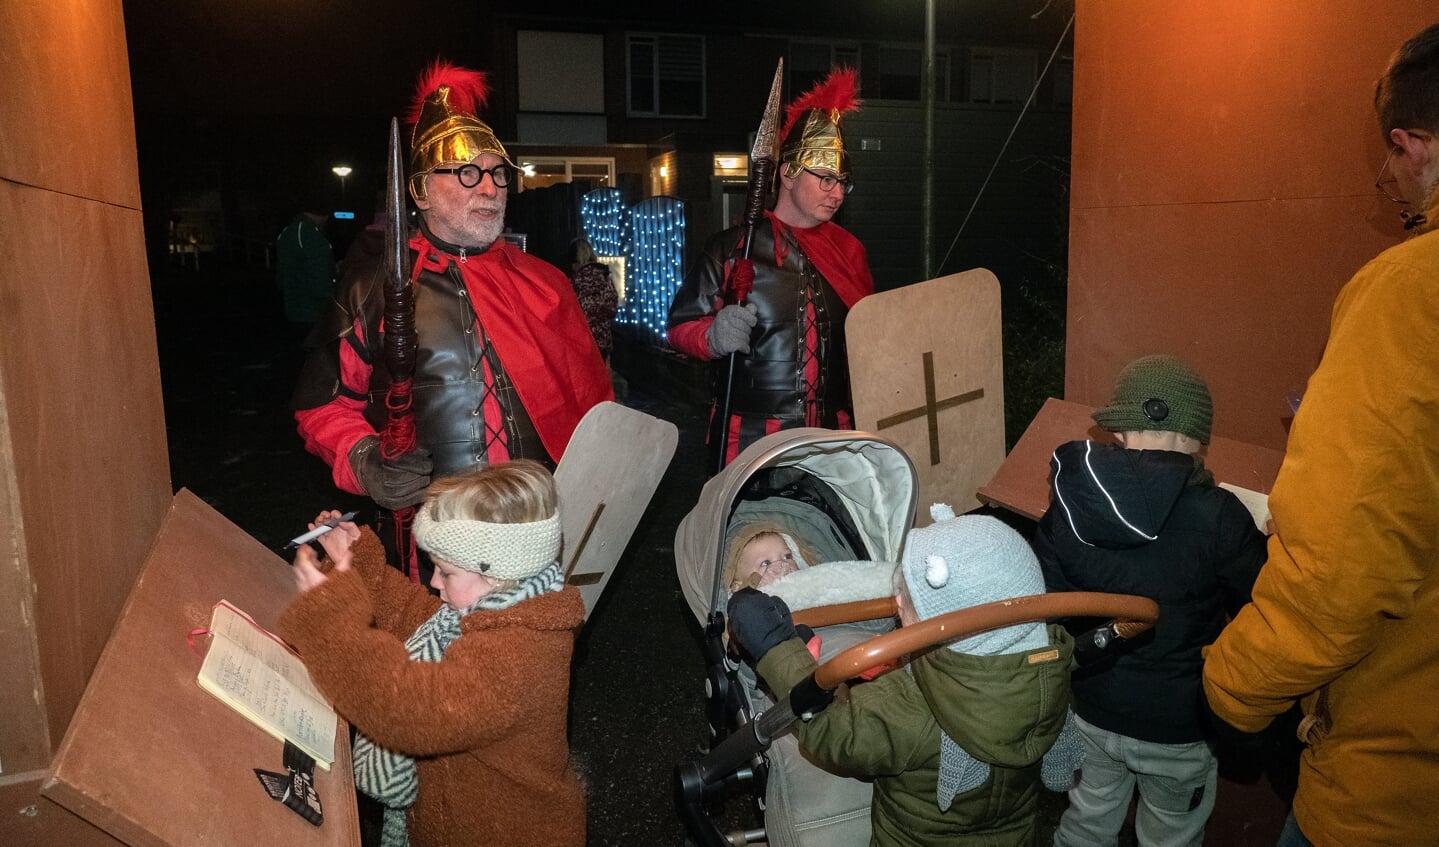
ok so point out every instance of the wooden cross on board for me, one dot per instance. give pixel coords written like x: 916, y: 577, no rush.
x: 931, y: 408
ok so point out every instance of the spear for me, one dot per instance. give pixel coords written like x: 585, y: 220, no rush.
x: 398, y: 436
x: 740, y: 279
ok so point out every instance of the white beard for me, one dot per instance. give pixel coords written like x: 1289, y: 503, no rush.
x: 488, y: 232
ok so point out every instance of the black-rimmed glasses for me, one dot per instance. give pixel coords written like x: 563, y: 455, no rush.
x: 471, y: 175
x: 827, y: 182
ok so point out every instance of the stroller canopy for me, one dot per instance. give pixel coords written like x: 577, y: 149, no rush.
x: 874, y: 481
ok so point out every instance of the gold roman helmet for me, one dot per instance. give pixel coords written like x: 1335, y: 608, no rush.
x: 811, y: 131
x: 446, y: 129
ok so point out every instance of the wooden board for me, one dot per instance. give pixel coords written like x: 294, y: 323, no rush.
x: 152, y: 759
x: 606, y: 478
x: 927, y: 372
x: 1022, y: 482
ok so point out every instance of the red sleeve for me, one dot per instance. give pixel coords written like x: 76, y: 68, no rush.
x: 691, y: 337
x: 331, y: 430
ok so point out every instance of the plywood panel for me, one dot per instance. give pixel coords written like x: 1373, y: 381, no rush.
x: 153, y: 759
x: 1224, y: 157
x: 81, y: 383
x: 926, y: 372
x: 30, y: 820
x: 1022, y: 482
x: 84, y: 478
x: 606, y: 478
x: 1221, y: 100
x: 25, y: 741
x: 65, y: 118
x: 1250, y: 313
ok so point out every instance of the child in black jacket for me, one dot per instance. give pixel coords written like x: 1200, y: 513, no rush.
x: 1145, y: 517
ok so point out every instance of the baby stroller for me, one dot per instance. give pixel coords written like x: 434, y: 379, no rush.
x: 852, y: 496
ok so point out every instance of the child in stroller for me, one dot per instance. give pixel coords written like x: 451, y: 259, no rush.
x: 843, y: 499
x: 763, y: 552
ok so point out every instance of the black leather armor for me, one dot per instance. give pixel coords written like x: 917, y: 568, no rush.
x: 448, y: 388
x: 770, y: 380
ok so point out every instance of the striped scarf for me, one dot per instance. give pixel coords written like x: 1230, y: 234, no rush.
x: 391, y: 777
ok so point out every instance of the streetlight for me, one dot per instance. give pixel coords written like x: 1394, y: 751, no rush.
x: 342, y: 171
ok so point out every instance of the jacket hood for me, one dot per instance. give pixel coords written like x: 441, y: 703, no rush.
x: 1115, y: 497
x: 1006, y: 710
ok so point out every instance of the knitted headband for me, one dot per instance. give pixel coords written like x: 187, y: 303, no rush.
x: 497, y: 550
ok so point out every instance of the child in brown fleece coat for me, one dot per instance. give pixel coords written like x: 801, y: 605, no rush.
x: 460, y: 702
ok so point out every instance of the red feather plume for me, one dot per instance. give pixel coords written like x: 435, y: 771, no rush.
x: 468, y: 89
x: 838, y: 92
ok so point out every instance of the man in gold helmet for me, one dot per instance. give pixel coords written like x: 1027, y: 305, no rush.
x: 505, y: 365
x: 791, y: 365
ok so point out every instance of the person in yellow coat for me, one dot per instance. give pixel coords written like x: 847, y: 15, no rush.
x: 1345, y: 614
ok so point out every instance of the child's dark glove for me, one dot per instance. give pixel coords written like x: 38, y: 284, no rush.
x: 758, y: 622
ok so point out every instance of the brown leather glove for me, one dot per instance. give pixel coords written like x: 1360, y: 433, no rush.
x: 394, y: 483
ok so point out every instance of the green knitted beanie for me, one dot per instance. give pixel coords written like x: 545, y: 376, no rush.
x: 1162, y: 394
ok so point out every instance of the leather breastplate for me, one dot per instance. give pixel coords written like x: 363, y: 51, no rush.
x: 449, y: 384
x: 795, y: 307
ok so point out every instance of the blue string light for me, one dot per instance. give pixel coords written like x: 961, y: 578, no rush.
x: 602, y: 214
x: 651, y: 237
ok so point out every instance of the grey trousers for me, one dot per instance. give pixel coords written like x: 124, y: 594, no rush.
x: 1176, y: 783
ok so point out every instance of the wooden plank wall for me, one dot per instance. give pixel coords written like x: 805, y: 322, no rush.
x: 84, y: 472
x: 1224, y: 158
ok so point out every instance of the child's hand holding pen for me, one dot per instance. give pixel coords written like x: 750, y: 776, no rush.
x: 336, y: 533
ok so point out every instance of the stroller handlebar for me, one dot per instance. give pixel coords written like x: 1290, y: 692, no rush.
x: 859, y: 610
x: 1133, y: 615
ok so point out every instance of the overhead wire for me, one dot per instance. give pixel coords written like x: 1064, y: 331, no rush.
x: 1000, y: 157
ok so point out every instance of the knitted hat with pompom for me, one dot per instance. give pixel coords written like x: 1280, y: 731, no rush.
x: 958, y: 562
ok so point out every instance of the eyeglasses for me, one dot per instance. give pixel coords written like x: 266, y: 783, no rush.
x: 1383, y: 184
x: 471, y: 175
x: 827, y: 182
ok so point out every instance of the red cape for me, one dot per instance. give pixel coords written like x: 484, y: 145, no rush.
x: 529, y: 310
x: 838, y: 255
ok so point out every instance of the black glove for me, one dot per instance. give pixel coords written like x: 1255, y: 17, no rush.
x: 396, y: 483
x: 758, y: 622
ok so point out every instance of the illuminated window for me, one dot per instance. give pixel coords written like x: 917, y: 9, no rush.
x: 544, y: 171
x: 731, y: 164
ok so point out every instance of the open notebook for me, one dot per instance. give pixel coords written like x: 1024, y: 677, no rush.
x: 258, y: 675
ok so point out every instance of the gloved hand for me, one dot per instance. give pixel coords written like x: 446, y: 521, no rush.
x: 730, y: 331
x: 758, y: 622
x: 396, y: 483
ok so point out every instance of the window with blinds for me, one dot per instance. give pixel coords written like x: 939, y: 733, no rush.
x: 665, y: 75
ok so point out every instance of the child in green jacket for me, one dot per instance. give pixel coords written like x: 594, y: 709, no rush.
x: 956, y: 741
